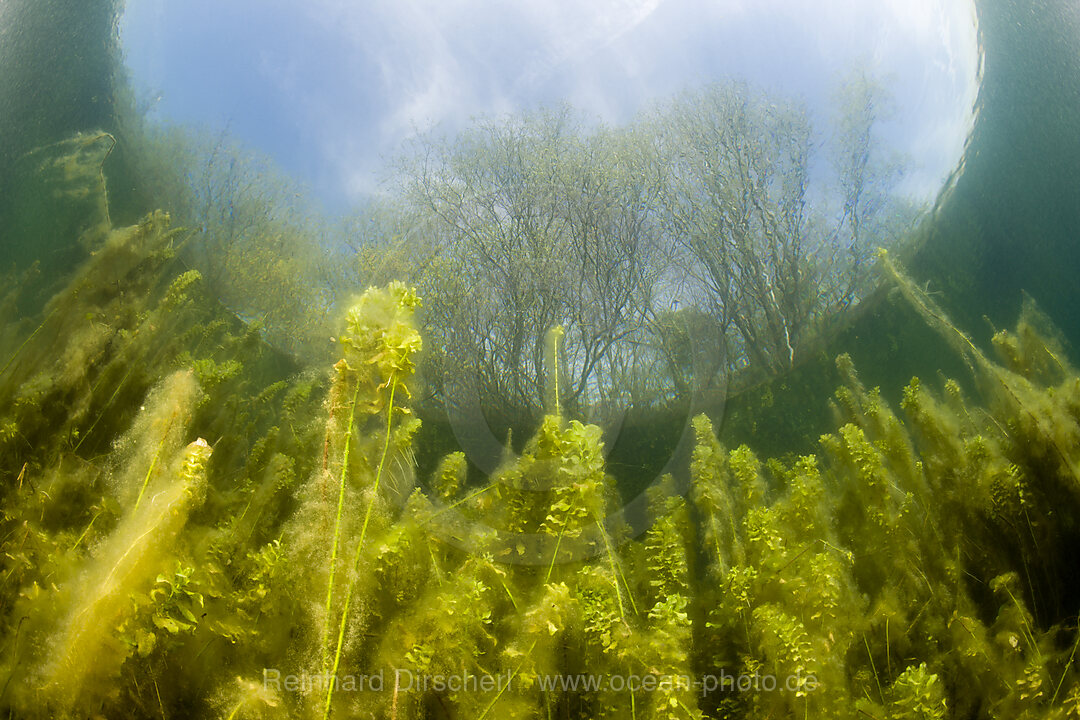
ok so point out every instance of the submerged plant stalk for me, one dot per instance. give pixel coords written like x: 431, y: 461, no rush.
x: 356, y: 554
x: 337, y: 525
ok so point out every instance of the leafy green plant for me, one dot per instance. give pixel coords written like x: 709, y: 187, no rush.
x: 86, y: 659
x: 918, y: 695
x: 918, y: 565
x: 381, y: 334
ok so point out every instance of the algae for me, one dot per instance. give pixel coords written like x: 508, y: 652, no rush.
x: 916, y: 565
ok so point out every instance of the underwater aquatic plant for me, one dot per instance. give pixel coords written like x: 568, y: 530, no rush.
x: 244, y: 698
x: 918, y: 565
x: 818, y: 568
x: 86, y: 657
x: 450, y: 476
x: 381, y: 341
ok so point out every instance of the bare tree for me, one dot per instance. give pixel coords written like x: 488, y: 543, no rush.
x: 736, y: 205
x: 769, y: 264
x: 541, y: 226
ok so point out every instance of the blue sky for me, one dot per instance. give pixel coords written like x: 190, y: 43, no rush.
x: 331, y: 88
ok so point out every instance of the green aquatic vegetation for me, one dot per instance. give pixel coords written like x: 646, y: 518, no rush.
x: 835, y: 570
x: 606, y: 636
x: 62, y: 189
x: 551, y: 363
x: 557, y: 491
x: 265, y: 571
x: 664, y: 646
x: 1009, y: 471
x: 85, y: 657
x: 533, y: 652
x: 176, y: 601
x: 923, y: 518
x: 16, y: 289
x: 50, y: 378
x: 1044, y: 421
x: 788, y: 608
x: 248, y: 699
x: 579, y: 496
x: 449, y: 631
x: 156, y: 434
x: 450, y: 476
x: 666, y: 543
x: 918, y: 694
x: 368, y: 390
x: 395, y: 346
x: 918, y: 565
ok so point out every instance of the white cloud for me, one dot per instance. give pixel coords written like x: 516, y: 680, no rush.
x: 571, y: 29
x: 444, y: 62
x: 428, y: 64
x: 386, y: 68
x: 450, y: 60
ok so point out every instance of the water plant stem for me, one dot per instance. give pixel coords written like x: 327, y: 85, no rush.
x: 508, y: 683
x: 337, y: 525
x: 153, y: 463
x: 359, y: 549
x: 25, y: 342
x: 617, y: 574
x: 87, y: 530
x: 465, y: 499
x: 874, y: 669
x: 554, y: 555
x: 555, y: 370
x: 1068, y: 665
